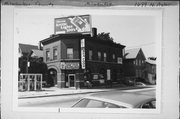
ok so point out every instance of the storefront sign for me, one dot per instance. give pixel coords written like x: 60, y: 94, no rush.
x: 69, y: 65
x: 73, y: 24
x: 83, y: 54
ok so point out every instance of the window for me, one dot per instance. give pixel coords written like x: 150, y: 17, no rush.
x: 105, y: 57
x: 139, y: 62
x: 113, y: 56
x: 55, y: 54
x: 136, y: 62
x: 99, y: 56
x: 90, y: 54
x: 47, y: 55
x: 69, y: 53
x: 119, y: 60
x: 151, y: 104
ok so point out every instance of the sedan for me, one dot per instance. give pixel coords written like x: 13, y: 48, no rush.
x: 117, y: 100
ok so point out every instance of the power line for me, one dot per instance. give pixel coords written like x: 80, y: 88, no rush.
x: 142, y: 45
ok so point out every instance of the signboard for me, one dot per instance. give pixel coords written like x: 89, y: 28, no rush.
x: 69, y: 65
x: 83, y: 65
x: 73, y: 24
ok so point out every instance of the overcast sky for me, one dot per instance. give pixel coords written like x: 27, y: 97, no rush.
x: 134, y: 31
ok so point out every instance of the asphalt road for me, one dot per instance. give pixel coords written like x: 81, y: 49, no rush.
x: 68, y: 101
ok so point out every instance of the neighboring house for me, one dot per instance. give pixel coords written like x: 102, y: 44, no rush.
x: 74, y: 58
x: 134, y: 64
x: 25, y: 51
x: 150, y: 71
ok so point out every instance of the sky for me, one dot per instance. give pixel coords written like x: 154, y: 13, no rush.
x: 32, y: 25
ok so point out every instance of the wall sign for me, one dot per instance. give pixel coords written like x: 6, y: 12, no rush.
x: 83, y: 65
x: 69, y: 65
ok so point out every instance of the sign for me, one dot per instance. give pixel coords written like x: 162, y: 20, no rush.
x: 119, y: 60
x: 83, y: 65
x: 73, y: 24
x: 69, y: 65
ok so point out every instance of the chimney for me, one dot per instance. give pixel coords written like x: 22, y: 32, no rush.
x: 40, y: 46
x: 94, y: 32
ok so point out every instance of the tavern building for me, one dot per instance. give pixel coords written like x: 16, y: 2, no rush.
x: 74, y: 58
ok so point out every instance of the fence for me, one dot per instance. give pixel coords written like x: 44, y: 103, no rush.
x: 30, y: 82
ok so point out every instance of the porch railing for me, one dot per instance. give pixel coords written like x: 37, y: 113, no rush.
x: 30, y: 82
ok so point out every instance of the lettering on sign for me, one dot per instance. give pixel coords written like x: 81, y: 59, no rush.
x: 83, y: 65
x: 69, y: 65
x: 73, y: 24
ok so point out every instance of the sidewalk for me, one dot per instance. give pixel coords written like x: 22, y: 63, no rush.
x: 54, y: 91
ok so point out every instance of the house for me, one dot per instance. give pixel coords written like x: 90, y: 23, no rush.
x: 150, y: 71
x: 134, y: 64
x: 74, y: 58
x: 25, y: 52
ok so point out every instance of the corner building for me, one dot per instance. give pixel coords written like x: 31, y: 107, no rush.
x: 74, y: 58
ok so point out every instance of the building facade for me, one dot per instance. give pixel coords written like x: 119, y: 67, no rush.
x: 74, y: 58
x: 150, y: 71
x: 134, y: 64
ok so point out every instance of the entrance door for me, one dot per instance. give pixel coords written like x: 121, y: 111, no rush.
x: 71, y: 80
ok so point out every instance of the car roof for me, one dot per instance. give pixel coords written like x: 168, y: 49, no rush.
x: 132, y: 99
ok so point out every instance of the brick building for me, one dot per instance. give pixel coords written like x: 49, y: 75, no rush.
x: 74, y: 58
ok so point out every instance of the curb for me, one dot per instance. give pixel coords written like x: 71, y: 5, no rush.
x: 53, y: 95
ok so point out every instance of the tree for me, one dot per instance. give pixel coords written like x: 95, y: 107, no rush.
x: 105, y: 36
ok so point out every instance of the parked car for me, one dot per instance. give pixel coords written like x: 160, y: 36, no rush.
x: 116, y: 100
x: 140, y: 84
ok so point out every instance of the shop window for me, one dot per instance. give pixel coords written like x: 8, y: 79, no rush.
x: 105, y: 57
x: 90, y: 54
x: 69, y: 53
x: 47, y: 55
x: 99, y: 56
x: 55, y: 53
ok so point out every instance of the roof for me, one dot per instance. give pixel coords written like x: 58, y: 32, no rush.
x: 37, y: 53
x: 26, y: 48
x: 151, y: 61
x: 132, y: 53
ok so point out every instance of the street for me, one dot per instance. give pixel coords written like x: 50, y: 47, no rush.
x: 69, y: 100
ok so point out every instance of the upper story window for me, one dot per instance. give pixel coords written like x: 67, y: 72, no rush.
x: 139, y: 62
x: 55, y: 53
x: 105, y: 57
x: 136, y: 62
x: 99, y: 56
x: 47, y: 55
x: 90, y: 54
x: 113, y: 56
x: 69, y: 53
x: 119, y: 60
